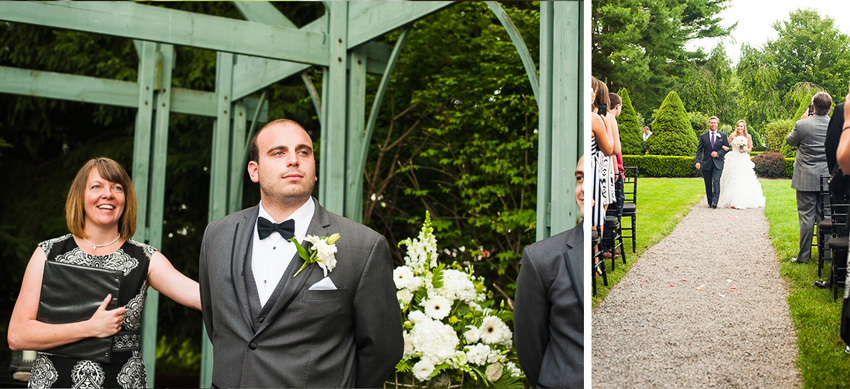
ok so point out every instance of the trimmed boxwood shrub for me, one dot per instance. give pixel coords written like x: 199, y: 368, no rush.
x: 631, y: 135
x: 770, y: 164
x: 671, y: 130
x: 672, y: 166
x: 757, y: 146
x: 788, y: 151
x: 662, y: 166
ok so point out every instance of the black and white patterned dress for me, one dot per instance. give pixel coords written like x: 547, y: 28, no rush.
x: 127, y: 370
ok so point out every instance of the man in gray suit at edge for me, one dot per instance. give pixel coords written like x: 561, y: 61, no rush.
x: 808, y: 136
x: 272, y: 328
x: 549, y: 307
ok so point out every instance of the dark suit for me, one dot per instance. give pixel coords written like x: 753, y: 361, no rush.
x: 833, y: 136
x: 712, y: 168
x: 349, y: 337
x: 549, y: 311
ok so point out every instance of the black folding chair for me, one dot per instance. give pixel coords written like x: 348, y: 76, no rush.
x: 597, y: 263
x: 630, y: 206
x: 838, y: 243
x: 823, y: 219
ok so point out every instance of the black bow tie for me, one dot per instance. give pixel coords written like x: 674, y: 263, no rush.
x: 265, y: 227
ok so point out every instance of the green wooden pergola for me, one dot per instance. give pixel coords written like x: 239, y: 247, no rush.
x: 266, y: 48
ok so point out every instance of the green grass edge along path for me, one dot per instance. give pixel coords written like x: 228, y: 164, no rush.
x: 662, y: 202
x: 821, y: 360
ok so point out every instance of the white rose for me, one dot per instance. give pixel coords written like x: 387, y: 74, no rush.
x: 404, y: 296
x: 477, y: 354
x: 408, y: 345
x: 472, y: 335
x: 417, y: 317
x: 437, y: 307
x: 513, y: 369
x: 494, y: 372
x: 324, y: 252
x: 422, y: 370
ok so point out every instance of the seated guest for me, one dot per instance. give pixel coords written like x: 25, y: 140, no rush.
x: 549, y: 310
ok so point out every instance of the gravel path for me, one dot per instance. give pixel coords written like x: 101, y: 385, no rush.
x: 702, y: 332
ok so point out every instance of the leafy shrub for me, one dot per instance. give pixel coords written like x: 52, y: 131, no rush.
x: 789, y: 168
x: 631, y: 134
x: 775, y: 132
x: 770, y: 164
x: 699, y: 122
x: 662, y: 166
x: 788, y: 151
x: 672, y: 132
x: 757, y: 141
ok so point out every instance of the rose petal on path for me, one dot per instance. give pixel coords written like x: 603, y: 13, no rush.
x: 672, y: 286
x: 732, y: 217
x: 684, y: 280
x: 700, y: 287
x: 721, y: 295
x: 728, y: 280
x: 645, y: 279
x: 734, y: 287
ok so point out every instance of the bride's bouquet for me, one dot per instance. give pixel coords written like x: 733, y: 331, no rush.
x: 741, y: 142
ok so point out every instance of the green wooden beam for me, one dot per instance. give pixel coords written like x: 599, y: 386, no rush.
x: 519, y: 44
x: 157, y: 24
x: 263, y: 12
x: 104, y: 91
x: 333, y: 135
x: 370, y: 19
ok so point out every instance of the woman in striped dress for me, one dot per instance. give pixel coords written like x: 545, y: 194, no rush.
x: 601, y: 147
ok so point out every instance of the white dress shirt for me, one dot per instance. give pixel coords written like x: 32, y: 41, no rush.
x: 271, y: 256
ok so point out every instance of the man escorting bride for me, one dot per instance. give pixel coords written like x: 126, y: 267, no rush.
x: 711, y: 149
x: 741, y: 188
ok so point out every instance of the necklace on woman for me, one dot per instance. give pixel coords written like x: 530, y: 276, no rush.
x: 95, y: 246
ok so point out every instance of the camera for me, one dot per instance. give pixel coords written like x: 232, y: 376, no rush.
x: 811, y: 110
x: 603, y: 109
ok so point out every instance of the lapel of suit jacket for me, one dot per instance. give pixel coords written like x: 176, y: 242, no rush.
x: 575, y: 250
x: 293, y: 285
x: 243, y: 234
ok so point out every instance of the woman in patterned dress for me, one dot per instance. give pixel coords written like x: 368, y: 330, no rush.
x: 101, y: 214
x: 601, y: 146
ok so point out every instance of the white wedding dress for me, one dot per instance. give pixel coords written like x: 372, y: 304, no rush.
x: 739, y: 187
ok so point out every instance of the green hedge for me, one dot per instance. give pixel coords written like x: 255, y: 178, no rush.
x: 672, y: 166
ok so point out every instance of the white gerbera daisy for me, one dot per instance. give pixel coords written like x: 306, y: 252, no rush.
x: 437, y: 306
x: 402, y: 276
x: 495, y: 331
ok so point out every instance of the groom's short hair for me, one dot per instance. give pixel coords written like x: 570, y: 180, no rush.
x: 254, y: 149
x: 821, y: 102
x: 715, y: 118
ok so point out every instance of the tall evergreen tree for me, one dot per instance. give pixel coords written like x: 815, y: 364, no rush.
x: 671, y: 130
x: 630, y: 129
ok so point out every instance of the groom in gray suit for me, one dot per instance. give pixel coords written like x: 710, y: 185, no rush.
x: 808, y: 136
x: 549, y: 309
x: 271, y: 326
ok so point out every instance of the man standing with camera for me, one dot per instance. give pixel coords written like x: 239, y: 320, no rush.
x: 808, y: 136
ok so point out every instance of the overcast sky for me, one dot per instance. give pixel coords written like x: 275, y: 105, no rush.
x: 755, y: 21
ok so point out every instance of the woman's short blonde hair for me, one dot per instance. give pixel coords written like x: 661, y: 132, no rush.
x: 75, y: 215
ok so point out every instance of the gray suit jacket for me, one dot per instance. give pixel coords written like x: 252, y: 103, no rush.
x: 808, y: 136
x: 549, y: 311
x: 704, y: 150
x: 349, y: 337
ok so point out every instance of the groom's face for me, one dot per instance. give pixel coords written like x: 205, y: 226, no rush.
x: 712, y: 124
x: 285, y: 167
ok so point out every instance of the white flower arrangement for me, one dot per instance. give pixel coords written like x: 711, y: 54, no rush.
x: 321, y: 251
x: 741, y: 142
x: 450, y: 325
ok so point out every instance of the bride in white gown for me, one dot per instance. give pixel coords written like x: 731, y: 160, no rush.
x: 739, y: 187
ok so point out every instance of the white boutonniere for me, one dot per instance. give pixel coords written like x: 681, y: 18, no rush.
x: 321, y: 252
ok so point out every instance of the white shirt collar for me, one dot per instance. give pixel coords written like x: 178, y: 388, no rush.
x: 302, y: 217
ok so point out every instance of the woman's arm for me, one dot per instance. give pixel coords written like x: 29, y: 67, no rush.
x: 843, y: 152
x: 749, y: 143
x: 614, y: 133
x: 170, y: 282
x: 603, y: 140
x: 27, y: 333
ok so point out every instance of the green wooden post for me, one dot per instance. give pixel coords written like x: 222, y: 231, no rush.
x: 562, y: 84
x: 356, y: 134
x: 219, y: 176
x: 333, y: 136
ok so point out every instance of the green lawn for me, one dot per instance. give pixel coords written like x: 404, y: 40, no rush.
x: 822, y: 362
x: 661, y: 203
